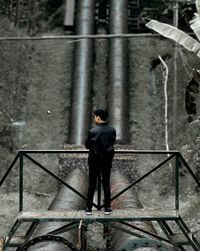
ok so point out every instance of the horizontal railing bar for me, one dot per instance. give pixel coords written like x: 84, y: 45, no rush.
x: 116, y: 151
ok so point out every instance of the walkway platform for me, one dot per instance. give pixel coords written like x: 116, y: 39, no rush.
x: 117, y: 215
x: 174, y: 240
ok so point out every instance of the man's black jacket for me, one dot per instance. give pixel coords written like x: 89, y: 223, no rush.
x: 100, y: 140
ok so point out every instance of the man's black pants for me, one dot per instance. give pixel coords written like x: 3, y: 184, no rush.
x: 99, y: 166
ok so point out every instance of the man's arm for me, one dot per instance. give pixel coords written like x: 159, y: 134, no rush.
x: 114, y: 136
x: 87, y: 142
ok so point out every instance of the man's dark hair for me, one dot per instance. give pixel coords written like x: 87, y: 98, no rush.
x: 103, y: 114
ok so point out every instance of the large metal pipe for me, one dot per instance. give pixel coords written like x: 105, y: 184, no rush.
x: 64, y: 200
x: 82, y: 75
x: 120, y: 240
x: 118, y: 87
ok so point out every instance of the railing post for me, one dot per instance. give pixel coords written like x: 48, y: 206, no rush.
x: 177, y: 166
x: 99, y: 193
x: 21, y: 163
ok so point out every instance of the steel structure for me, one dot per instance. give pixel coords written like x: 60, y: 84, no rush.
x: 118, y: 65
x: 123, y: 216
x: 82, y: 75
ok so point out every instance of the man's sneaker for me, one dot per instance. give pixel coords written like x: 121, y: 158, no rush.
x: 108, y: 210
x: 88, y: 211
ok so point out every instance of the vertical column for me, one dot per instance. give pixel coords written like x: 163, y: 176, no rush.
x: 175, y: 84
x: 21, y: 182
x: 118, y: 64
x: 177, y: 166
x: 69, y: 13
x: 82, y: 75
x: 19, y: 10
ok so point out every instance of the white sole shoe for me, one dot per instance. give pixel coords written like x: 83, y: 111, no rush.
x: 107, y: 213
x: 88, y: 213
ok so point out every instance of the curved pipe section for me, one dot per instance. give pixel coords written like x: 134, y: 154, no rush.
x: 118, y: 58
x: 82, y: 75
x: 64, y: 200
x: 121, y: 240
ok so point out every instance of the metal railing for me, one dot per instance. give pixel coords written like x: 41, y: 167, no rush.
x: 179, y: 160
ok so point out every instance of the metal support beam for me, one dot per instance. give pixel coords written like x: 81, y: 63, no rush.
x: 12, y: 232
x: 21, y: 183
x: 177, y: 168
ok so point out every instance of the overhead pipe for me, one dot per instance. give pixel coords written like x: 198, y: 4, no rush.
x: 64, y: 200
x: 118, y: 64
x: 82, y: 73
x: 121, y: 240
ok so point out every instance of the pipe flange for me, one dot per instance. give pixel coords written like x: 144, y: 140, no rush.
x: 47, y: 238
x: 145, y: 242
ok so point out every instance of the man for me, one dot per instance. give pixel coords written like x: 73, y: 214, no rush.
x: 100, y: 142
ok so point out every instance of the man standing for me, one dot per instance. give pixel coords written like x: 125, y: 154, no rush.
x: 100, y: 142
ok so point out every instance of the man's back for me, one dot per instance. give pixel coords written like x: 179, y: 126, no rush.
x: 101, y: 140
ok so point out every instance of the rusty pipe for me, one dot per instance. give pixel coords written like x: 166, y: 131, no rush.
x: 82, y: 73
x: 64, y: 200
x: 120, y: 240
x: 118, y: 65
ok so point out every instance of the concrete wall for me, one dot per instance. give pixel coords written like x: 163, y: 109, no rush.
x: 35, y: 87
